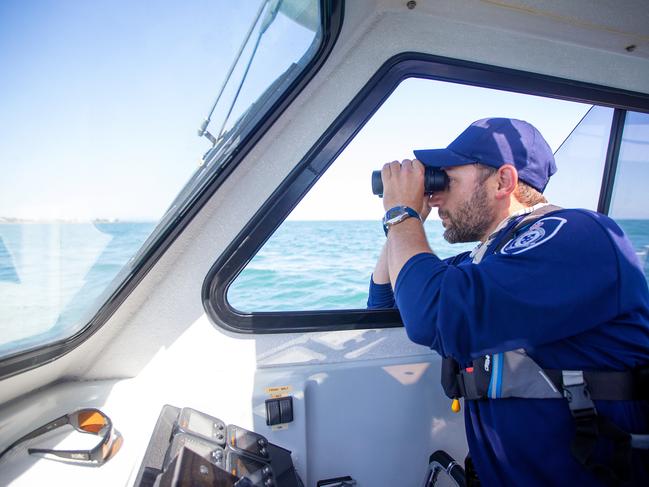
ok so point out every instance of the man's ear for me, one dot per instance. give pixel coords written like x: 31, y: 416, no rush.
x: 507, y: 181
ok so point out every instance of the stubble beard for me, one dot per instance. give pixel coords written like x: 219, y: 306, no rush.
x: 471, y: 220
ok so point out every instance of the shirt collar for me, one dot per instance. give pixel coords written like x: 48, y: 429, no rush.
x: 516, y: 214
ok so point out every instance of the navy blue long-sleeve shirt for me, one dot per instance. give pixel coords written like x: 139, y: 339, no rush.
x: 571, y: 292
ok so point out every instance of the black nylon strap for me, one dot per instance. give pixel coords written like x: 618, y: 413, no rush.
x: 605, y: 386
x: 587, y: 433
x: 590, y: 428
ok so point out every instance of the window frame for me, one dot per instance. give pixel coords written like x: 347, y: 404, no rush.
x: 334, y: 140
x: 181, y: 213
x: 610, y: 164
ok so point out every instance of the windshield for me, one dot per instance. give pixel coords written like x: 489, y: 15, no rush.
x: 257, y: 66
x: 99, y: 148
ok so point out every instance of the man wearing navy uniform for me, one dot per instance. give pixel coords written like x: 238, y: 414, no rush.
x: 559, y: 288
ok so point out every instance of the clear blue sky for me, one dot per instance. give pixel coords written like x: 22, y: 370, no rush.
x: 101, y: 102
x: 102, y: 98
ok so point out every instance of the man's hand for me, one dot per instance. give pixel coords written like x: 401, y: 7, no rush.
x: 403, y: 184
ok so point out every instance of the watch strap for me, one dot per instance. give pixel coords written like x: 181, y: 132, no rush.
x: 396, y: 215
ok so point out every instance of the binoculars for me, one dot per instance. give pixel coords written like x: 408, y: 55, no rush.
x: 434, y: 180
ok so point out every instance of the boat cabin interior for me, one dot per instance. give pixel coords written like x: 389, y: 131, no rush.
x: 163, y: 293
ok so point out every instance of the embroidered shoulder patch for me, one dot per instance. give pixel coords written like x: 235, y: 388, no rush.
x: 539, y: 233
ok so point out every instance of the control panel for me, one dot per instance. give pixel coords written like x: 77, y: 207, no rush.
x: 189, y: 447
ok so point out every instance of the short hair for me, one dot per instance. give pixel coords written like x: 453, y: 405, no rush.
x: 524, y: 193
x: 527, y: 195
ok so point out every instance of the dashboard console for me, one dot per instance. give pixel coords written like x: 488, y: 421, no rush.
x: 189, y: 447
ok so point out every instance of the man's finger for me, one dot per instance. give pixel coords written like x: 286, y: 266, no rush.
x: 386, y: 170
x: 407, y: 164
x: 394, y: 168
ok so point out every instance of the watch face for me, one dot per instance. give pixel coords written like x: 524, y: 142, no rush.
x: 397, y: 215
x: 393, y: 213
x: 397, y: 219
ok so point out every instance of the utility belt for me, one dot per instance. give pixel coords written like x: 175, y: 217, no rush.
x: 515, y: 374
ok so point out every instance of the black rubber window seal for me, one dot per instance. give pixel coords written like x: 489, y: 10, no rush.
x: 332, y: 22
x: 279, y: 205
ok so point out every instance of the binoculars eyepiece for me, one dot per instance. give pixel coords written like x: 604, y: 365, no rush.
x: 434, y: 180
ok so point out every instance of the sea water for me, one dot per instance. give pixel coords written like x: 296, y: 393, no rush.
x: 53, y: 277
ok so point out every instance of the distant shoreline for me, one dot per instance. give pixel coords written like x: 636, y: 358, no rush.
x: 49, y: 221
x: 21, y: 221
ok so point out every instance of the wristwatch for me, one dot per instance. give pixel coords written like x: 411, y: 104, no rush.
x: 397, y: 215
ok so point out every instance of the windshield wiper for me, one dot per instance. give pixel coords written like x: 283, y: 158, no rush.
x: 271, y: 14
x: 251, y: 115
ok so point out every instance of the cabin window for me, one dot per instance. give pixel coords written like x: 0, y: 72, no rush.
x: 101, y: 107
x: 278, y: 275
x: 581, y: 158
x: 321, y: 257
x: 629, y: 202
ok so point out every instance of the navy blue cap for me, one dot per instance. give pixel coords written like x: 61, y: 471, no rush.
x: 495, y: 142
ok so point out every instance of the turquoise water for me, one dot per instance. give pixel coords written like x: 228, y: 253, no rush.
x: 326, y: 265
x: 316, y: 265
x: 53, y: 277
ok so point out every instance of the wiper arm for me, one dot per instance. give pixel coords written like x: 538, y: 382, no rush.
x: 249, y: 117
x: 268, y: 20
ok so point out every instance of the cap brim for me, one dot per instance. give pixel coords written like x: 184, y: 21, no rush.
x: 442, y: 158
